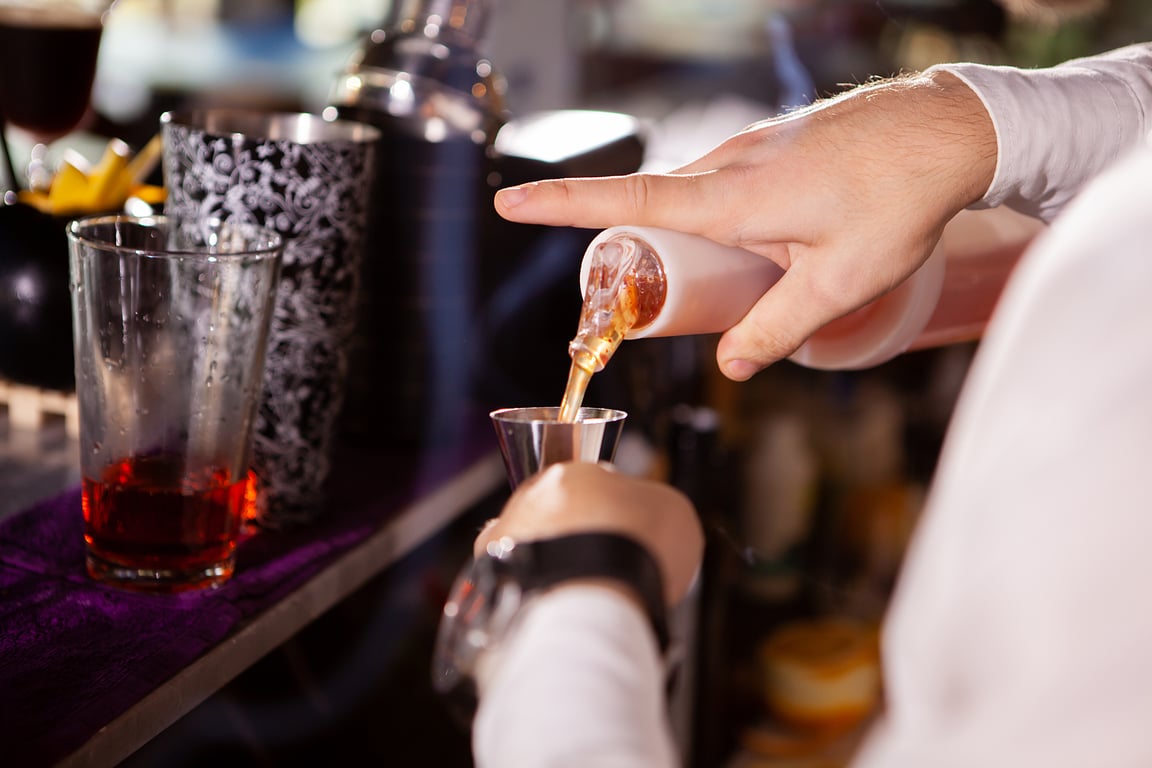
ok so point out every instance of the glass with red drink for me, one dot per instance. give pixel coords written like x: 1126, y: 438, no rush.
x: 171, y: 323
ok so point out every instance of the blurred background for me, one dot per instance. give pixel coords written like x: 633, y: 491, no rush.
x: 571, y: 53
x: 810, y: 482
x: 654, y: 56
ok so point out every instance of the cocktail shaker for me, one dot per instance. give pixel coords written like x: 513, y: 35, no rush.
x: 421, y: 79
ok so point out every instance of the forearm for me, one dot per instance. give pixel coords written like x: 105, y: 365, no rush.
x: 1057, y: 128
x: 578, y: 683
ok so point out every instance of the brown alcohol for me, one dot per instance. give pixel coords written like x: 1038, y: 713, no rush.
x: 146, y: 513
x: 625, y: 289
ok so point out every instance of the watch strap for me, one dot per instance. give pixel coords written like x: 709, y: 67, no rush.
x: 596, y: 555
x: 492, y: 588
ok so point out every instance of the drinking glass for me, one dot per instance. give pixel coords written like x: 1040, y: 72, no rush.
x: 48, y: 53
x: 171, y: 323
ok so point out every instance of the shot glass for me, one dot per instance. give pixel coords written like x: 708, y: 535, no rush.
x: 533, y: 438
x: 170, y: 320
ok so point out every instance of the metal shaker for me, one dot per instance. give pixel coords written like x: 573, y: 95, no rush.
x: 421, y: 79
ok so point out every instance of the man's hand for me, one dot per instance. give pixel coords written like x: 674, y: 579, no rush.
x: 849, y: 196
x: 579, y: 496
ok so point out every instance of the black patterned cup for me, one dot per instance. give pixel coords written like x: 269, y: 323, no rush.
x: 308, y: 179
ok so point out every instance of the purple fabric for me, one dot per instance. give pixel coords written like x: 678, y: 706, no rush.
x: 75, y: 654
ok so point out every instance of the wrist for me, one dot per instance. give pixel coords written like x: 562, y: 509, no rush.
x: 963, y: 136
x: 490, y: 595
x: 926, y: 137
x: 969, y: 144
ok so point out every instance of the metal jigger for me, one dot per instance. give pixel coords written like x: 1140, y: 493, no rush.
x: 532, y: 438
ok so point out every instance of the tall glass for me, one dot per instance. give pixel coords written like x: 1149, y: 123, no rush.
x: 170, y: 322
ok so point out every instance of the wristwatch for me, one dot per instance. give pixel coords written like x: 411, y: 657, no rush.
x: 492, y: 588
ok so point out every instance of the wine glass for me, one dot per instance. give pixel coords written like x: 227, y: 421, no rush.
x: 48, y: 51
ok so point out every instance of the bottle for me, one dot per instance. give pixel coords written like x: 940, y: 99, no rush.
x: 644, y: 281
x: 691, y: 284
x: 707, y: 288
x: 781, y: 476
x: 870, y: 501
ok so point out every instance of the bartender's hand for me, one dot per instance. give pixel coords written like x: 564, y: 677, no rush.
x: 849, y: 196
x: 580, y: 497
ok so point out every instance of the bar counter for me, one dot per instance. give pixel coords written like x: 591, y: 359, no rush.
x: 89, y: 673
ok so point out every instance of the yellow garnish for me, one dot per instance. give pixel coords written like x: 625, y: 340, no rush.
x: 79, y: 189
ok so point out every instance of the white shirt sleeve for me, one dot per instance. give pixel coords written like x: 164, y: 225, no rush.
x: 1057, y: 128
x: 1021, y: 633
x: 578, y: 683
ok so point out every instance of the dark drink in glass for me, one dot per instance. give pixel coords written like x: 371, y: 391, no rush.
x: 148, y: 513
x: 47, y: 66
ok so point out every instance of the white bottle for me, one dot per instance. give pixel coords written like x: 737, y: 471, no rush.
x: 710, y: 287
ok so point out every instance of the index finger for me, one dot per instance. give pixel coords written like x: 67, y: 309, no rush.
x: 642, y: 199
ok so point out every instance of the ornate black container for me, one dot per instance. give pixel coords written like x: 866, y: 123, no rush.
x: 306, y: 178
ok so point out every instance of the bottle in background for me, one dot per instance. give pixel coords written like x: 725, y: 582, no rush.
x: 781, y: 478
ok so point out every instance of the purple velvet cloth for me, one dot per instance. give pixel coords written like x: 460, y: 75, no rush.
x: 74, y: 654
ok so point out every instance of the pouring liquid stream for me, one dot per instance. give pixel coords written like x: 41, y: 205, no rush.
x: 625, y: 289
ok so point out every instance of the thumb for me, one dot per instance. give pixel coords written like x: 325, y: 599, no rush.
x: 777, y: 325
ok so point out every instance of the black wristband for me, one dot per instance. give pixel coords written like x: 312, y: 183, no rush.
x: 492, y: 589
x: 610, y: 556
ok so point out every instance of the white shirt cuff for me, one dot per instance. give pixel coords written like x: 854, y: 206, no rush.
x: 1059, y: 127
x: 578, y: 682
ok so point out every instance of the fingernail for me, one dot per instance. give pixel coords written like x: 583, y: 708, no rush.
x: 740, y: 370
x: 512, y: 196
